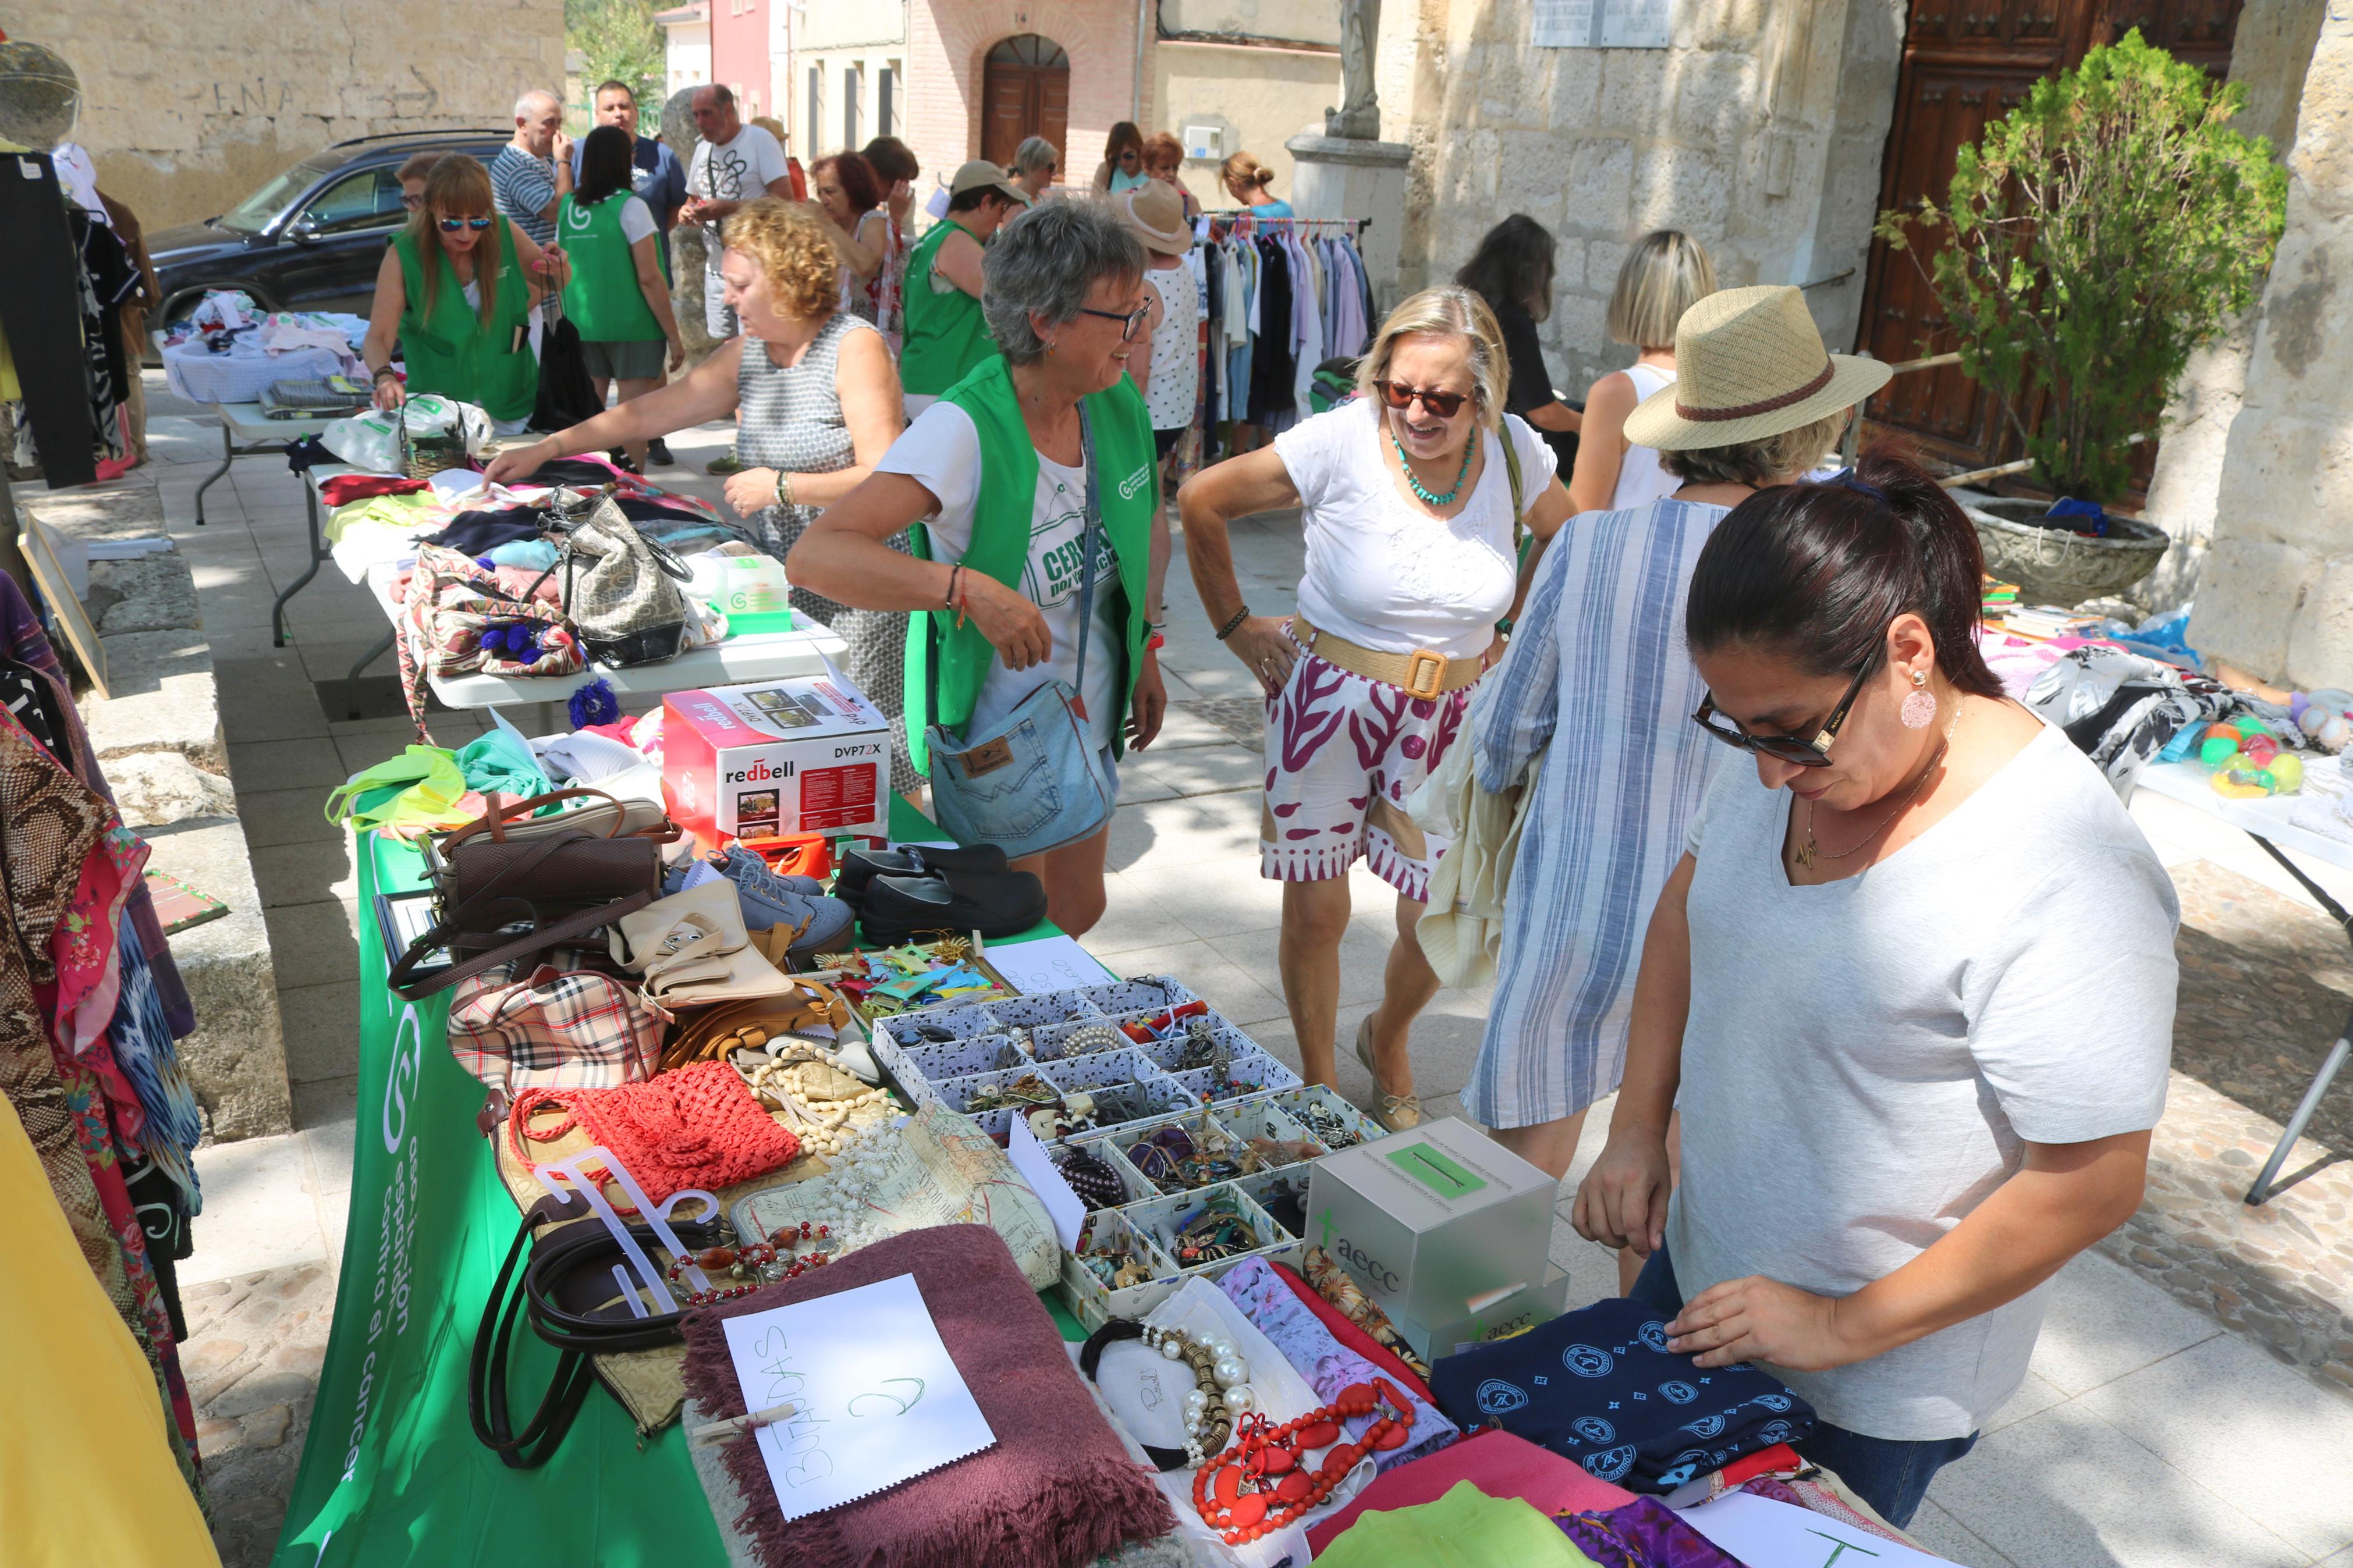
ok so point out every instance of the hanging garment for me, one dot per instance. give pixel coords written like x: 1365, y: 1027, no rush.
x: 41, y: 289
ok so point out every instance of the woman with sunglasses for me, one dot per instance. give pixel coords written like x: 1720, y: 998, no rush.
x: 457, y: 337
x: 1406, y: 495
x: 1122, y: 165
x: 1597, y: 703
x: 1912, y: 984
x: 993, y: 479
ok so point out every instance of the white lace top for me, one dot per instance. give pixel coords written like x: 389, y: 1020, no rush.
x: 1383, y: 573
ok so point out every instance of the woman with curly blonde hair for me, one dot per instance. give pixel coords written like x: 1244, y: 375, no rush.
x: 819, y: 400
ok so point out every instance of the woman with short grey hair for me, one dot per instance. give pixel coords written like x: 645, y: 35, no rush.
x: 993, y: 481
x: 1034, y: 163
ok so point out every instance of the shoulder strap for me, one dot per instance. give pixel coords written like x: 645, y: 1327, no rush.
x: 1512, y: 472
x: 1087, y: 549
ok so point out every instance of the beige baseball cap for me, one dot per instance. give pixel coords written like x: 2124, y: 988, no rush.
x: 981, y: 173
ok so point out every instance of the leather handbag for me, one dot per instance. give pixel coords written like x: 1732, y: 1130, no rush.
x: 692, y: 950
x: 621, y: 590
x: 561, y: 887
x: 1036, y: 781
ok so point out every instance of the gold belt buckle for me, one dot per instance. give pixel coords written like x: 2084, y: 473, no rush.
x: 1417, y: 661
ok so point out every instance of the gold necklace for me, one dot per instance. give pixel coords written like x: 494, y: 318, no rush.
x: 1809, y: 851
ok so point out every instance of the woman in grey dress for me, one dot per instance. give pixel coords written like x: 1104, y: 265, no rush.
x: 819, y: 403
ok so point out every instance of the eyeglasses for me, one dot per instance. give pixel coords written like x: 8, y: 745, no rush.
x: 1444, y: 405
x: 1130, y: 324
x: 412, y: 202
x: 452, y: 225
x: 1793, y: 748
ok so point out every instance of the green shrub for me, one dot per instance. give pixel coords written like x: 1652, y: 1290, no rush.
x: 2101, y: 231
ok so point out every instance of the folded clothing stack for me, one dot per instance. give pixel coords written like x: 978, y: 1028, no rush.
x: 1600, y: 1386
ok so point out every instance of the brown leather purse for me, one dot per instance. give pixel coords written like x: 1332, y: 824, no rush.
x: 564, y: 886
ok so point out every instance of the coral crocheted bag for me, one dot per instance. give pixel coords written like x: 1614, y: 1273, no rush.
x: 697, y: 1127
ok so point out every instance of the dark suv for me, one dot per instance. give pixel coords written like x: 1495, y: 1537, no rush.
x: 310, y: 239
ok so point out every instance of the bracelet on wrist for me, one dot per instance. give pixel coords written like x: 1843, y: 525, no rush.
x: 784, y: 489
x: 384, y: 371
x: 1234, y: 626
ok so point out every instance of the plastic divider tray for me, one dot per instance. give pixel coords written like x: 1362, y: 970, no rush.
x: 1332, y: 1105
x: 1093, y: 1302
x: 1160, y: 1220
x: 962, y: 1059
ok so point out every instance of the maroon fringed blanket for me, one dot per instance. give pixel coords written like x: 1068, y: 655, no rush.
x: 1057, y: 1489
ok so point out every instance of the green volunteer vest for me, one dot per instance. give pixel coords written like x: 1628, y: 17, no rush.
x: 452, y: 352
x: 944, y: 335
x: 1128, y: 490
x: 603, y: 300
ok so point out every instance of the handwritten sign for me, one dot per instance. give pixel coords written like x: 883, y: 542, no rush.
x: 1049, y: 964
x: 1759, y: 1530
x: 878, y: 1400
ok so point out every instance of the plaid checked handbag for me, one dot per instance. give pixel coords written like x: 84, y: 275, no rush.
x: 556, y: 1028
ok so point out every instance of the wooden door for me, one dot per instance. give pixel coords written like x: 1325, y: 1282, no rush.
x: 1966, y: 62
x: 1025, y: 91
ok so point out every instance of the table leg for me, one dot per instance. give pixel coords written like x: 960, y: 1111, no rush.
x: 352, y: 681
x: 318, y: 553
x: 2261, y: 1193
x: 229, y: 456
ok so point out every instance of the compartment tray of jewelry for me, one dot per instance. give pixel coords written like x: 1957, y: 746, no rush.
x: 1131, y: 1258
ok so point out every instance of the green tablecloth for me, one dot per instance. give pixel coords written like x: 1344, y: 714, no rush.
x: 391, y: 1473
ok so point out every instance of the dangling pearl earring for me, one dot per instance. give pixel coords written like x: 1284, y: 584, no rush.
x: 1919, y: 710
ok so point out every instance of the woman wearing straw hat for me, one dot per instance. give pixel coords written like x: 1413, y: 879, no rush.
x: 1914, y: 1079
x: 1412, y: 504
x: 1602, y: 688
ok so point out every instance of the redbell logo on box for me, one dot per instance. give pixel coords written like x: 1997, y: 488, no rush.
x: 760, y: 772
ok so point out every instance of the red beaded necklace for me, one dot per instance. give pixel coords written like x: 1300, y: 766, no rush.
x: 1262, y: 1451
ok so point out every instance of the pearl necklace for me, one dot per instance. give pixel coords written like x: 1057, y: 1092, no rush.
x: 1415, y: 482
x: 1221, y: 1392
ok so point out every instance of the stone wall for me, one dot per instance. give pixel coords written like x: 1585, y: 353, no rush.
x: 2268, y: 55
x: 188, y: 121
x: 1759, y: 132
x: 2276, y: 591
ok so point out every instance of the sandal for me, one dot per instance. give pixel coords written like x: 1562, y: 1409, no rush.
x: 1397, y: 1113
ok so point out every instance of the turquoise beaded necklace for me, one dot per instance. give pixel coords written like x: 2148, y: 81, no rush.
x: 1412, y: 479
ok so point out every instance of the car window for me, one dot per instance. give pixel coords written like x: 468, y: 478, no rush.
x: 254, y: 214
x: 369, y: 199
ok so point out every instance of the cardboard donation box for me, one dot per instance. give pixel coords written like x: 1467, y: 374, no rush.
x: 777, y: 757
x: 1443, y: 1226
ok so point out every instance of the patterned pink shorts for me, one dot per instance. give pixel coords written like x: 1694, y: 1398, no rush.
x: 1342, y: 753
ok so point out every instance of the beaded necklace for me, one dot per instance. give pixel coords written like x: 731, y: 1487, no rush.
x: 1414, y: 481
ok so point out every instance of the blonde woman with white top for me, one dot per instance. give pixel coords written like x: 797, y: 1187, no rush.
x: 1664, y: 275
x: 1405, y: 498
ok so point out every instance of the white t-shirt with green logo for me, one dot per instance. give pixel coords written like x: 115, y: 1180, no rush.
x: 941, y: 452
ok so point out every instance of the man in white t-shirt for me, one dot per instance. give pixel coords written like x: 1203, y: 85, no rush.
x: 733, y: 164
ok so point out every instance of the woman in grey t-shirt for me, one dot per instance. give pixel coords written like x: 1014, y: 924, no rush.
x: 1911, y: 989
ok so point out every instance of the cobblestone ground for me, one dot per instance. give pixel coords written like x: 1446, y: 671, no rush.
x: 254, y: 1347
x: 2265, y: 985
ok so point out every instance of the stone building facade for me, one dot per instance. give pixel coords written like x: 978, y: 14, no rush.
x: 1758, y: 130
x: 184, y: 121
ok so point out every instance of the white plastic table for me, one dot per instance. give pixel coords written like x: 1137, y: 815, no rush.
x: 2267, y: 822
x: 245, y: 431
x: 370, y: 556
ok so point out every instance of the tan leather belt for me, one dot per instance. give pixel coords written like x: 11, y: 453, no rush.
x: 1420, y: 672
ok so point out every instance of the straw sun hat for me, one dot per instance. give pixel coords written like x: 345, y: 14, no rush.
x: 1749, y: 364
x: 1156, y: 213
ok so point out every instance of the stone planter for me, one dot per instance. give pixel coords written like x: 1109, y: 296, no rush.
x: 2057, y: 566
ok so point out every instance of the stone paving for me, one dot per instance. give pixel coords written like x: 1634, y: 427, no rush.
x: 2158, y: 1426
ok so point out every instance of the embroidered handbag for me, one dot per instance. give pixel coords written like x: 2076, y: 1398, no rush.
x: 697, y: 1127
x: 553, y: 1029
x: 1036, y: 781
x: 621, y: 590
x: 452, y: 602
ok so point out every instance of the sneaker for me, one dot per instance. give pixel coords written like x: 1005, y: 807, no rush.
x: 861, y: 866
x: 1003, y: 905
x: 730, y: 464
x: 767, y: 897
x: 622, y: 460
x: 657, y: 451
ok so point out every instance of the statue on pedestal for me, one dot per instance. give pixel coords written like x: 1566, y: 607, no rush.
x: 1358, y: 117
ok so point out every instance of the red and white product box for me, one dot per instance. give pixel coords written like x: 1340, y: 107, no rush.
x: 807, y: 755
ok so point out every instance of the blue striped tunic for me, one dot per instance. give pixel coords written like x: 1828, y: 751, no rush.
x: 1601, y: 682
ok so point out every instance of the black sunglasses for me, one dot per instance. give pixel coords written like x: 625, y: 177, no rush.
x: 452, y: 225
x: 1444, y: 405
x: 1130, y: 322
x: 1804, y: 753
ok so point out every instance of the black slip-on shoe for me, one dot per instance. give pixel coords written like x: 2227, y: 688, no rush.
x: 1003, y: 904
x: 860, y: 866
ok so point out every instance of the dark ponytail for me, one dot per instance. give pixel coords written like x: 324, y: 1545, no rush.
x: 1817, y: 572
